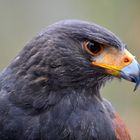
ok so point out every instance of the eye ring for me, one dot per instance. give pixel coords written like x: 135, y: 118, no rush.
x: 93, y: 48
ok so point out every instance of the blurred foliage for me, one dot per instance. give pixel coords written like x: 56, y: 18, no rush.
x: 21, y: 20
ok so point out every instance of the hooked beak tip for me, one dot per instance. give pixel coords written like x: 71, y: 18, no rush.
x: 137, y: 81
x: 132, y: 73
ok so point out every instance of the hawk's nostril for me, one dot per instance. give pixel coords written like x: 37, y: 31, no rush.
x: 126, y: 60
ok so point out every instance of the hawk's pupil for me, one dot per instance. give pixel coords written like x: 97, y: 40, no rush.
x: 94, y: 47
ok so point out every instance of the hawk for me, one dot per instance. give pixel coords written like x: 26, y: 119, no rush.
x: 51, y: 90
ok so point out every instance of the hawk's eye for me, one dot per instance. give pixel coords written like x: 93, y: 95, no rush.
x: 93, y: 48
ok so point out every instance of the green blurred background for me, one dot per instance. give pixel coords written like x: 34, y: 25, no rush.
x: 20, y: 20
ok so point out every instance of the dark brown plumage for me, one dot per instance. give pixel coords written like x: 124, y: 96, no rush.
x: 50, y: 91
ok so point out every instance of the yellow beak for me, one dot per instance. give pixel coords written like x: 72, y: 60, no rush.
x: 120, y: 63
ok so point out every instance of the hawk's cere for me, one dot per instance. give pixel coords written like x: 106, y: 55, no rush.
x: 50, y: 91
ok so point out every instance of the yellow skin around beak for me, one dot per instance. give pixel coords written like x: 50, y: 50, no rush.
x: 113, y: 60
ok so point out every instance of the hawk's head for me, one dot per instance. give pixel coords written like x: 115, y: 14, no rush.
x: 74, y: 53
